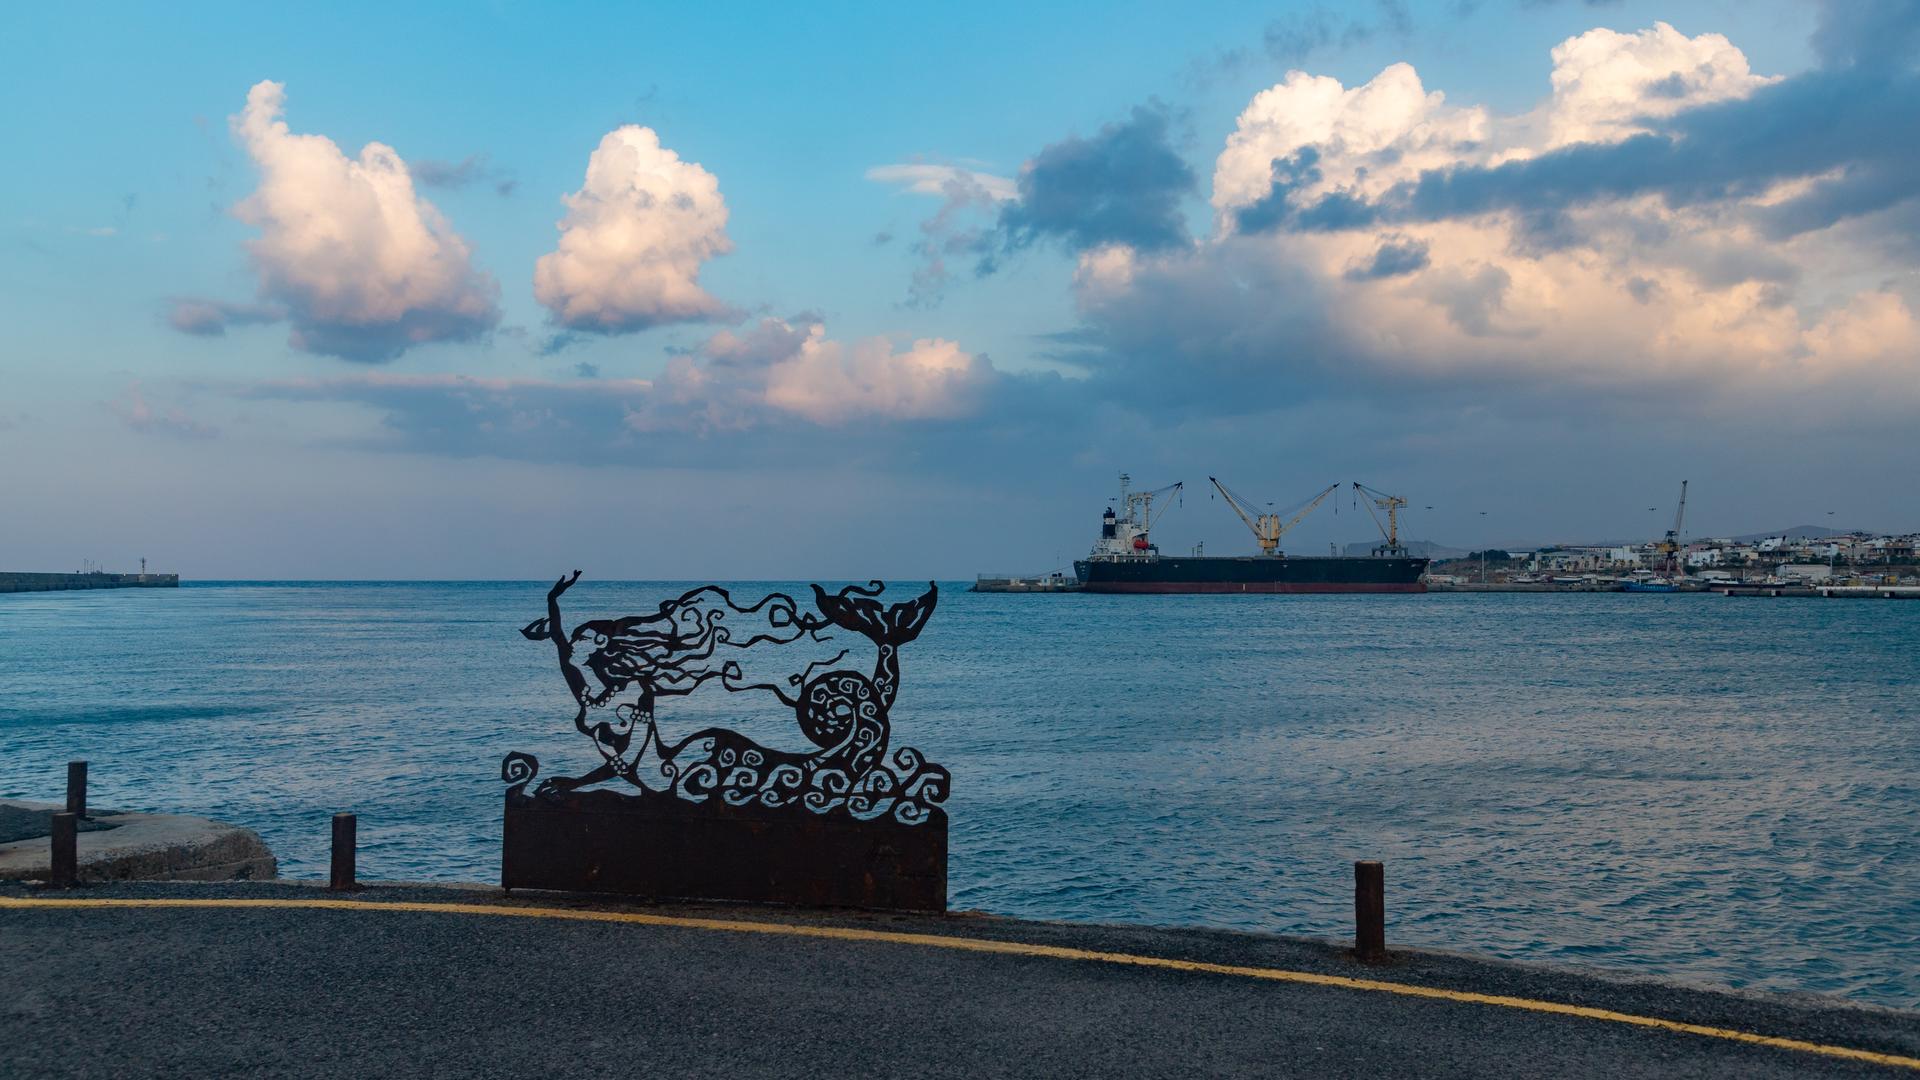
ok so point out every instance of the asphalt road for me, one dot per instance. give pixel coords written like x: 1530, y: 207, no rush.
x: 115, y: 992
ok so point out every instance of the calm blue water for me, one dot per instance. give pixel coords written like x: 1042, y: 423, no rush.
x: 1722, y: 790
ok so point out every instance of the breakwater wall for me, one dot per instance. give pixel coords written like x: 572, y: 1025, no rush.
x: 17, y: 582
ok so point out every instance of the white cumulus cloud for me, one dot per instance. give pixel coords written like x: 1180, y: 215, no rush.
x: 363, y: 266
x: 633, y: 240
x: 1364, y: 139
x: 1606, y: 84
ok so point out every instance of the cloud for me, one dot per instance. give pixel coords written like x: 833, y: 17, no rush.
x: 472, y: 169
x: 931, y: 178
x: 779, y: 377
x: 363, y: 267
x: 1664, y: 222
x: 1652, y: 114
x: 134, y: 411
x: 1881, y: 35
x: 1395, y: 256
x: 1293, y: 37
x: 1608, y: 85
x: 1298, y: 35
x: 579, y: 420
x: 790, y: 368
x: 1123, y: 185
x: 202, y: 317
x: 633, y: 240
x: 831, y: 383
x: 956, y: 229
x: 1309, y: 138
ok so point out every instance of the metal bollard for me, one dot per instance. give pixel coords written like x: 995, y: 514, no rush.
x: 77, y: 788
x: 65, y: 868
x: 1369, y: 911
x: 344, y: 828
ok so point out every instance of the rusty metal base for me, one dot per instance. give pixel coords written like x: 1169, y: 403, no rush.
x: 667, y: 848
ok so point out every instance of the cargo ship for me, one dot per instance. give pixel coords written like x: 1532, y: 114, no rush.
x: 1125, y: 559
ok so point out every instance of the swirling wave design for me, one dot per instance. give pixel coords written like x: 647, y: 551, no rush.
x: 518, y: 769
x: 909, y: 788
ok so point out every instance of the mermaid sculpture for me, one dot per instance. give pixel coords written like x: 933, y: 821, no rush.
x: 629, y: 664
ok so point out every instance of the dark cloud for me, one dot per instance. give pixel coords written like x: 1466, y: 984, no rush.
x: 452, y: 176
x: 1274, y: 209
x: 1396, y: 255
x: 1123, y: 185
x: 210, y: 318
x: 1248, y: 331
x: 382, y: 342
x: 1298, y: 35
x: 1878, y: 34
x: 559, y: 342
x: 1292, y: 38
x: 640, y: 421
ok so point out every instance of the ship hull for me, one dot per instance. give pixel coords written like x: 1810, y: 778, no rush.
x: 1256, y: 574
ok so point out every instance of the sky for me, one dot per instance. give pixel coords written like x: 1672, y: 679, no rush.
x: 837, y: 291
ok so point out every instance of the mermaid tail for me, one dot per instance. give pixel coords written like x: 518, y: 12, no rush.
x: 853, y: 608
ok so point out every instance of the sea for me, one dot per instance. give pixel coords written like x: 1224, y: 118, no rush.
x: 1717, y: 790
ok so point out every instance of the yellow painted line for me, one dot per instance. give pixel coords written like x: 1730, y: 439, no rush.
x: 1004, y: 948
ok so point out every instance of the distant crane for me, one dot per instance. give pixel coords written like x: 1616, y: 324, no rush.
x: 1268, y: 528
x: 1391, y: 528
x: 1669, y: 547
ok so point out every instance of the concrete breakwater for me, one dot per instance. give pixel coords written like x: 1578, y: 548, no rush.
x: 116, y: 846
x: 17, y: 582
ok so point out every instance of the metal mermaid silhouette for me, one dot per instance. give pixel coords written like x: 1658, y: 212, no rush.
x: 618, y: 670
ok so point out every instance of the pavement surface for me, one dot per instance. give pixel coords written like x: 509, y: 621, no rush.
x: 422, y: 981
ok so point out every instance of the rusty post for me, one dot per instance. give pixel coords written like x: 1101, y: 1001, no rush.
x: 1369, y: 911
x: 65, y: 867
x: 344, y: 828
x: 77, y: 788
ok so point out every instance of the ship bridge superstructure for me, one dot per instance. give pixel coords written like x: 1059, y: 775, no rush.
x: 1127, y: 535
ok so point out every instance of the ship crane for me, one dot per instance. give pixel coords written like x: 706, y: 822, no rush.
x: 1139, y: 506
x: 1268, y: 528
x: 1391, y: 527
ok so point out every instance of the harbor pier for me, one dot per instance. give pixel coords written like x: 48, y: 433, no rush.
x: 13, y: 581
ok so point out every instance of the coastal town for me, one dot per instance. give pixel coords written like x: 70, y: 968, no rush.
x: 1803, y: 561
